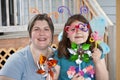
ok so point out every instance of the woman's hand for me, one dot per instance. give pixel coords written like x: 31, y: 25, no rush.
x: 96, y: 55
x: 78, y: 77
x: 56, y: 74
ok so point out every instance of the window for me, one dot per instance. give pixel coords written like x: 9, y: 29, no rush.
x: 19, y: 12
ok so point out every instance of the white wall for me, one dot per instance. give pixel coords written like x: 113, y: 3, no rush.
x: 109, y: 7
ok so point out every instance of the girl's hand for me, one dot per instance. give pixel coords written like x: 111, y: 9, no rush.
x: 78, y: 77
x: 96, y: 55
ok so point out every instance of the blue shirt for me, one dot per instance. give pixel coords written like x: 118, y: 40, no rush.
x: 66, y: 63
x: 21, y: 66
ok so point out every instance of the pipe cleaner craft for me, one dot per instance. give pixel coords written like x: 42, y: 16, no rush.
x: 88, y: 70
x: 61, y: 9
x: 36, y: 11
x: 98, y: 24
x: 95, y: 38
x: 46, y: 66
x: 84, y: 10
x: 80, y: 53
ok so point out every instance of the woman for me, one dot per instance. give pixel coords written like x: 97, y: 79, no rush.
x: 24, y: 64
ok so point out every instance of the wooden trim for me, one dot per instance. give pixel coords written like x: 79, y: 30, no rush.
x: 90, y: 7
x: 118, y: 41
x: 0, y: 15
x: 58, y: 28
x: 78, y: 6
x: 111, y: 57
x: 13, y: 28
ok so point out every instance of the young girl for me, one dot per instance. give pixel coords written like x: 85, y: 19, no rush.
x: 78, y: 56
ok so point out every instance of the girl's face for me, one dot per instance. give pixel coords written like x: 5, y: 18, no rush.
x: 78, y: 32
x: 41, y: 34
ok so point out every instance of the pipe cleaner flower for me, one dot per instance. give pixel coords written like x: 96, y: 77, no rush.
x: 80, y: 53
x: 46, y: 66
x: 89, y: 70
x: 95, y: 38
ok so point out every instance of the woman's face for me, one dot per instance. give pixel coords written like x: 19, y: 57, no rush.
x: 78, y: 32
x: 41, y: 34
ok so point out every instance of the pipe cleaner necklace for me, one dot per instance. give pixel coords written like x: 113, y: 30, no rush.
x: 80, y: 53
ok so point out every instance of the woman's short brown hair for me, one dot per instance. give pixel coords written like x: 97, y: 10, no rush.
x: 40, y: 17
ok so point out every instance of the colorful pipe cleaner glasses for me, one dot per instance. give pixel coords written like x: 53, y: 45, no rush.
x: 46, y: 66
x: 81, y: 26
